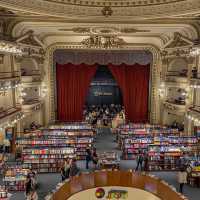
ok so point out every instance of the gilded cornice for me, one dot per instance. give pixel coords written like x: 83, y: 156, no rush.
x: 93, y: 8
x: 113, y: 3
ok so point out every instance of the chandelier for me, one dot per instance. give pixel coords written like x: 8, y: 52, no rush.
x: 8, y: 47
x: 105, y: 42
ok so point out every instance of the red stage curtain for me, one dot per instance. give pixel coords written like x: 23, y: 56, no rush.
x: 72, y: 86
x: 134, y: 83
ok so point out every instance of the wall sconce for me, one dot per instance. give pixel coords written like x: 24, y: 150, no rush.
x: 44, y: 90
x: 17, y: 118
x: 161, y: 90
x: 195, y: 86
x: 194, y: 119
x: 21, y: 93
x: 3, y: 93
x: 195, y: 51
x: 9, y: 85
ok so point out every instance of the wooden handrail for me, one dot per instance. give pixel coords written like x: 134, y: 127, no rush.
x: 9, y: 111
x: 7, y: 75
x: 106, y: 178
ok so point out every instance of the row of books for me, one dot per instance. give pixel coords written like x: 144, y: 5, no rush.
x: 45, y: 150
x: 4, y: 195
x: 163, y: 151
x: 15, y: 178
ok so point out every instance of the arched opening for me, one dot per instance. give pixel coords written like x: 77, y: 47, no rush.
x: 104, y: 89
x: 75, y: 72
x: 28, y: 67
x: 178, y: 66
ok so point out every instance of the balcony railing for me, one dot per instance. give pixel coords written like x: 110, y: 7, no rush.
x: 31, y: 73
x: 195, y: 75
x: 8, y: 75
x: 195, y: 108
x: 176, y: 102
x: 182, y: 73
x: 31, y: 101
x: 8, y: 111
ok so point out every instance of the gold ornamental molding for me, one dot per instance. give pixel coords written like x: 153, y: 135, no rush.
x: 103, y: 42
x: 51, y: 76
x: 101, y: 8
x: 114, y: 3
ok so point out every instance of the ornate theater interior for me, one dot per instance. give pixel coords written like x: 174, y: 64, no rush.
x: 99, y: 99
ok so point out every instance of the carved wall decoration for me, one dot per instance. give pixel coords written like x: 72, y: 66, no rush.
x: 76, y: 29
x: 105, y: 42
x: 30, y: 39
x: 31, y: 46
x: 103, y: 30
x: 132, y: 30
x: 177, y: 46
x: 178, y: 41
x: 107, y: 11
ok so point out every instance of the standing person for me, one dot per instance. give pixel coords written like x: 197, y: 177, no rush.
x: 182, y: 179
x: 139, y: 160
x: 32, y: 195
x: 88, y: 157
x: 7, y: 145
x: 145, y: 161
x: 94, y: 157
x: 28, y: 186
x: 62, y: 173
x: 67, y: 165
x: 73, y: 168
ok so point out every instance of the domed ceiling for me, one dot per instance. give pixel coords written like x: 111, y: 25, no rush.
x: 112, y: 9
x: 114, y: 3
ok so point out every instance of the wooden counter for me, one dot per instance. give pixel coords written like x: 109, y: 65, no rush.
x: 115, y: 178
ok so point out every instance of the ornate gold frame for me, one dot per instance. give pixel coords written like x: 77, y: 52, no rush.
x: 50, y: 102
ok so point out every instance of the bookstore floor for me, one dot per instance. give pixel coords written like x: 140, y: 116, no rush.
x: 104, y: 142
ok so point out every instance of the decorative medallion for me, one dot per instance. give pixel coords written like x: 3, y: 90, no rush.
x: 105, y: 30
x: 107, y: 11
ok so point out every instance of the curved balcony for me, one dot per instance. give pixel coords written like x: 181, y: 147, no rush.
x: 176, y: 77
x: 33, y: 76
x: 127, y: 179
x: 174, y: 106
x: 9, y: 76
x: 8, y: 113
x: 195, y: 110
x: 33, y: 105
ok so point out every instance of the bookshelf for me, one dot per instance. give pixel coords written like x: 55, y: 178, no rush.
x: 15, y: 178
x: 45, y: 150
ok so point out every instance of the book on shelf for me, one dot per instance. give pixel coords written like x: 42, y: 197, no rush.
x: 41, y: 149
